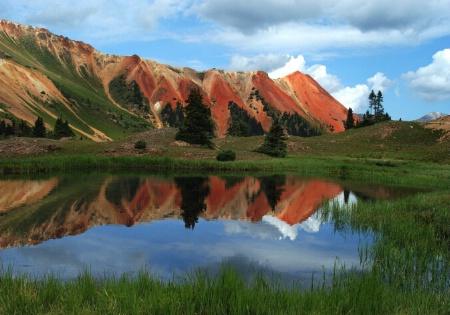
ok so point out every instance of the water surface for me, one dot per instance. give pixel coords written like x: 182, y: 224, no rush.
x: 169, y: 225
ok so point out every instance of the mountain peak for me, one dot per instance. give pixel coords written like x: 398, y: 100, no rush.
x: 431, y: 116
x: 57, y: 76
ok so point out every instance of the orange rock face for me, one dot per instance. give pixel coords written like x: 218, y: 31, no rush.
x: 24, y: 86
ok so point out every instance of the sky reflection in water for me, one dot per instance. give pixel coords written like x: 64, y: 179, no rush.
x: 166, y: 248
x: 263, y: 240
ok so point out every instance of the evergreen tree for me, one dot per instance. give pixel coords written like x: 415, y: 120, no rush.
x: 2, y: 127
x: 11, y: 128
x: 172, y: 117
x: 275, y: 141
x: 241, y: 123
x: 198, y: 127
x: 24, y: 130
x: 296, y: 125
x: 62, y: 129
x: 372, y: 101
x: 379, y: 112
x: 39, y: 128
x: 350, y: 121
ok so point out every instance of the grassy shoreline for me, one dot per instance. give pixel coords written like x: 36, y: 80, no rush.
x: 227, y: 294
x: 406, y: 271
x: 408, y: 173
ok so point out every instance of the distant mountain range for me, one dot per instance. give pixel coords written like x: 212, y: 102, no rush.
x: 106, y: 97
x: 431, y: 116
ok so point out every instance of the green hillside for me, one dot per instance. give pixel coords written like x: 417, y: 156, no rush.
x: 87, y: 104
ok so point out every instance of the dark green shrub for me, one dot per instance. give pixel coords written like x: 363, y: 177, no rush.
x: 226, y: 155
x: 140, y: 144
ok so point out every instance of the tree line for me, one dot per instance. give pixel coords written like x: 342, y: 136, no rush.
x: 9, y: 127
x: 373, y: 115
x: 198, y: 127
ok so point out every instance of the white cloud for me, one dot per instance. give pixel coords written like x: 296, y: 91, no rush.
x: 279, y: 26
x: 253, y: 15
x: 292, y: 65
x: 355, y: 97
x: 264, y: 26
x: 261, y: 62
x: 432, y: 82
x: 379, y: 82
x: 388, y: 14
x: 101, y: 20
x: 329, y: 82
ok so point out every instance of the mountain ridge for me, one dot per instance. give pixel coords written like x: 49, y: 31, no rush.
x: 43, y: 74
x: 431, y: 116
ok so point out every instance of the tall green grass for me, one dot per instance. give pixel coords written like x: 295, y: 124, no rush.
x: 197, y: 293
x: 399, y: 173
x: 411, y: 249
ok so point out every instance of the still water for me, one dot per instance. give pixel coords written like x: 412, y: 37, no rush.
x: 170, y: 225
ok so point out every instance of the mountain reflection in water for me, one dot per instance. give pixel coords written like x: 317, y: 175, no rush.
x: 235, y: 218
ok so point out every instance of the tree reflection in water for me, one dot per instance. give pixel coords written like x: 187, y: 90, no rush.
x: 194, y: 191
x: 271, y: 186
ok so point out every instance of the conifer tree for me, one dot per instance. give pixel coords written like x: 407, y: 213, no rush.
x: 24, y: 130
x: 39, y: 130
x: 198, y: 127
x: 350, y: 121
x: 372, y: 101
x: 379, y: 112
x: 274, y: 141
x: 62, y: 129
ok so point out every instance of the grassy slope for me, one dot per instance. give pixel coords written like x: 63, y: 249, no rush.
x: 399, y: 141
x: 74, y: 87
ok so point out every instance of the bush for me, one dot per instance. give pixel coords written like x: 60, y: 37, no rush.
x: 227, y: 155
x: 140, y: 144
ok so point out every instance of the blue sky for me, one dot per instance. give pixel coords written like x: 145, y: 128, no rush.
x: 350, y: 47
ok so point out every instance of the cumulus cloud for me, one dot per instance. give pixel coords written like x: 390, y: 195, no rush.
x: 386, y: 14
x: 266, y: 63
x: 323, y: 24
x: 432, y: 82
x: 253, y: 15
x: 329, y: 82
x: 379, y: 82
x: 264, y: 26
x: 292, y: 65
x: 103, y: 20
x: 355, y: 97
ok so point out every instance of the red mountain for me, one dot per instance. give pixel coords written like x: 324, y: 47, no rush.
x: 42, y: 74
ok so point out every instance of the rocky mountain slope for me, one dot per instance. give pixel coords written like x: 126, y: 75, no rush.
x: 106, y: 97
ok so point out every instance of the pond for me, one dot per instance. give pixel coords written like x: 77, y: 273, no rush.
x: 169, y: 225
